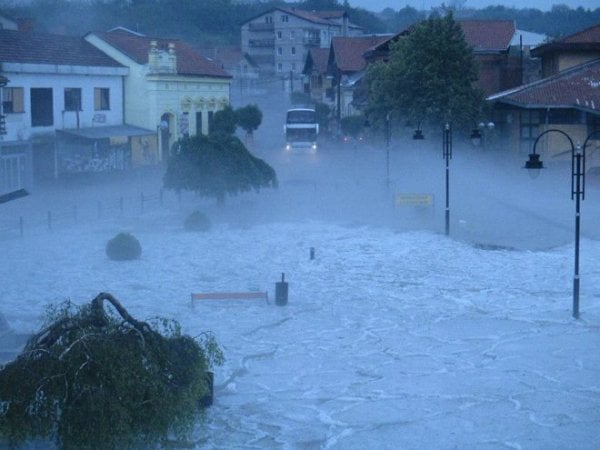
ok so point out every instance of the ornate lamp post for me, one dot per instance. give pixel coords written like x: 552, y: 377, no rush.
x: 577, y: 193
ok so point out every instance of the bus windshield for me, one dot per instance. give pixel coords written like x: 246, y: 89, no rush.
x: 301, y: 116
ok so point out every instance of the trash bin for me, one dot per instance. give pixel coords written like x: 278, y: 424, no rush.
x: 281, y: 291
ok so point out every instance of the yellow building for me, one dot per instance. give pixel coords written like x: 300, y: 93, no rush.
x: 170, y: 88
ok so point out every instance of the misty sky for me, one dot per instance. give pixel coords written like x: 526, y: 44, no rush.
x: 427, y: 4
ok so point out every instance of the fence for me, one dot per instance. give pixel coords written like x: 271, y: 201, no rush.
x: 34, y: 220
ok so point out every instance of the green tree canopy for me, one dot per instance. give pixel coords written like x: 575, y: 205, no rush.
x: 96, y: 378
x: 429, y: 77
x: 249, y: 117
x: 224, y: 121
x: 216, y: 166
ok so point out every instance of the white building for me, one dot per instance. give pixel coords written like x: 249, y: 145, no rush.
x: 55, y: 83
x: 169, y: 88
x: 279, y: 39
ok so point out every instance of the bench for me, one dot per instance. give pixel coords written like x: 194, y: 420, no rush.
x: 229, y: 296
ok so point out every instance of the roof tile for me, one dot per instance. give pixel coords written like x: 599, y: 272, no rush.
x: 578, y: 87
x: 42, y: 48
x: 189, y: 61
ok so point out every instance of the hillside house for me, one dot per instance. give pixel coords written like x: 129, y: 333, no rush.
x: 279, y: 39
x: 346, y: 65
x: 169, y: 88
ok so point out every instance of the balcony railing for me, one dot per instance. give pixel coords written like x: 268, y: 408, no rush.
x: 311, y: 41
x: 261, y: 42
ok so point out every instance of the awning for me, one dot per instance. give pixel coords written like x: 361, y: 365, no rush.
x: 107, y: 132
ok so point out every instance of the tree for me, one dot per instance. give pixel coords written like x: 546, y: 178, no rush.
x: 224, y: 121
x: 429, y: 77
x: 216, y: 166
x: 249, y: 117
x: 97, y: 378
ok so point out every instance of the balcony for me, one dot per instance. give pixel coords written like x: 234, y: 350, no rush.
x: 312, y: 41
x: 261, y: 42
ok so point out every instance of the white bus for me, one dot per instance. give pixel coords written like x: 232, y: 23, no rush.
x: 301, y: 129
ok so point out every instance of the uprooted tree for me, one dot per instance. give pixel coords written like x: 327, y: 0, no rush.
x: 96, y: 378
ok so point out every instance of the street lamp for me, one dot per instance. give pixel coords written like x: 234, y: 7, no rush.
x: 577, y: 193
x: 447, y: 153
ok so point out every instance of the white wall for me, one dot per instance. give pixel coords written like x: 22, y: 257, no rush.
x: 18, y: 125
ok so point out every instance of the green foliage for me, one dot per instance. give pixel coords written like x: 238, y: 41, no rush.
x: 249, y: 117
x: 217, y: 22
x: 100, y: 379
x: 429, y: 77
x: 216, y: 166
x: 224, y: 121
x: 197, y: 221
x: 352, y: 125
x: 123, y: 247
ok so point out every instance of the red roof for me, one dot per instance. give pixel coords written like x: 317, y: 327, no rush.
x: 43, y: 48
x: 137, y: 47
x: 578, y: 87
x: 349, y: 51
x: 319, y: 57
x: 587, y: 40
x: 589, y: 35
x: 488, y: 35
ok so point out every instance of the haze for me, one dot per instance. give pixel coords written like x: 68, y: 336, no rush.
x: 477, y: 4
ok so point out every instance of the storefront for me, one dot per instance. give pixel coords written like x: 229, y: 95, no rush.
x: 102, y: 149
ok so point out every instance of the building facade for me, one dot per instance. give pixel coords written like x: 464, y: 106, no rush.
x: 279, y: 39
x: 53, y: 83
x: 170, y: 88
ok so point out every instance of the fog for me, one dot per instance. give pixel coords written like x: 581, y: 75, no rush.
x: 395, y: 336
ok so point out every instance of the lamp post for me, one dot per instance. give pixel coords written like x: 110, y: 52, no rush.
x: 577, y: 193
x: 447, y: 153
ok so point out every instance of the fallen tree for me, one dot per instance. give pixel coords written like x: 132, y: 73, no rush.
x: 96, y: 378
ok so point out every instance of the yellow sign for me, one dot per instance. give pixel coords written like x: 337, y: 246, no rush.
x: 414, y: 199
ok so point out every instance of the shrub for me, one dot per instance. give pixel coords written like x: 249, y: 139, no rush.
x: 123, y: 247
x: 197, y: 221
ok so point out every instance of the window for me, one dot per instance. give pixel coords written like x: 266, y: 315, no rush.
x: 72, y: 99
x: 12, y: 100
x: 292, y: 35
x: 198, y: 123
x: 210, y: 120
x: 285, y: 18
x: 269, y: 19
x: 279, y: 51
x: 279, y: 35
x: 293, y: 67
x: 279, y: 67
x: 101, y: 99
x: 41, y: 107
x: 293, y: 50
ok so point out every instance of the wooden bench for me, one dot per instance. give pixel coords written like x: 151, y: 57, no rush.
x: 229, y: 296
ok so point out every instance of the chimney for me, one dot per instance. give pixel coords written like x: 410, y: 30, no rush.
x: 153, y: 57
x: 172, y: 58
